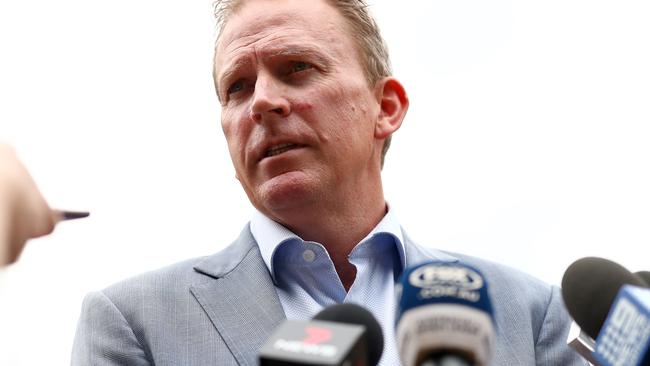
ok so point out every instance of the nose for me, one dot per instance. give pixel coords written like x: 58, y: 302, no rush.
x: 269, y: 99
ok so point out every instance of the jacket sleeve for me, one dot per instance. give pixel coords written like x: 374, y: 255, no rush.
x: 551, y: 347
x: 104, y: 337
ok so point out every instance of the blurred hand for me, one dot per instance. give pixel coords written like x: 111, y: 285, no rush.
x: 24, y: 214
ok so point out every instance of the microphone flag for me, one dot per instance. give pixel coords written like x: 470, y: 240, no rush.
x: 624, y: 339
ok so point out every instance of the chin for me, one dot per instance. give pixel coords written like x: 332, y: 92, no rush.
x: 287, y: 191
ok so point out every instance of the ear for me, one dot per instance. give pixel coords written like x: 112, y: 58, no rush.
x: 393, y: 104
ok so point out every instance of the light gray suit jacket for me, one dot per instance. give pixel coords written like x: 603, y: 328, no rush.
x: 219, y: 310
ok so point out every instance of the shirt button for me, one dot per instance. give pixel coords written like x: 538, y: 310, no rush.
x: 308, y: 255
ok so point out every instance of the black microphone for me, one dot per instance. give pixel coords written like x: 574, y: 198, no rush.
x: 589, y: 286
x: 444, y: 316
x: 645, y: 276
x: 340, y: 335
x: 355, y: 314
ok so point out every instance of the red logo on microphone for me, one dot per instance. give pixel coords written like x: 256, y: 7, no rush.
x: 317, y: 335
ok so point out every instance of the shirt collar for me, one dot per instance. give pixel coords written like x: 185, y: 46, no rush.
x: 269, y: 235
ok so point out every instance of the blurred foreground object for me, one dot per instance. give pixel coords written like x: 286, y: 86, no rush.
x: 24, y: 213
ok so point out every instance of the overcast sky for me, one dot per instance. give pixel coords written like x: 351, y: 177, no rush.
x: 526, y: 142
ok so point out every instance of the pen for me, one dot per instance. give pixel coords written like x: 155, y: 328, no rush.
x: 71, y: 215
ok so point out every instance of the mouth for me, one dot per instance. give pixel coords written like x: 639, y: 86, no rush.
x: 279, y: 149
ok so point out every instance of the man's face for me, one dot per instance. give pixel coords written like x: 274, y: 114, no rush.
x: 297, y: 110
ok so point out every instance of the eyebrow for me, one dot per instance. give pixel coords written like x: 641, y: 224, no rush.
x: 293, y: 51
x: 231, y: 69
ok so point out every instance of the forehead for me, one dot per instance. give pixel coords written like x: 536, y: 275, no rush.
x: 260, y: 25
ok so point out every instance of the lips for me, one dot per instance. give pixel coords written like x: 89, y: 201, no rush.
x: 279, y: 149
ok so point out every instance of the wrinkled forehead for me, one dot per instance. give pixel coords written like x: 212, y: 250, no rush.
x: 243, y: 25
x: 275, y: 20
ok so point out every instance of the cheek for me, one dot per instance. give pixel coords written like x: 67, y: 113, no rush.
x: 303, y: 106
x: 327, y: 104
x: 236, y: 131
x: 227, y: 123
x: 339, y: 112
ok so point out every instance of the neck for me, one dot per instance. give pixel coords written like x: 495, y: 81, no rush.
x: 339, y: 227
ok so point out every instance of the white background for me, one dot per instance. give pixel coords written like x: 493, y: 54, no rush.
x: 527, y: 141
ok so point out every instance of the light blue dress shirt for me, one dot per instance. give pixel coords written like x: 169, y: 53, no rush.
x: 306, y: 280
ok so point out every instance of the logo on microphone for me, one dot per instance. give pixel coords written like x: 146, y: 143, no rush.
x: 447, y: 281
x: 624, y: 335
x: 311, y: 344
x: 316, y: 335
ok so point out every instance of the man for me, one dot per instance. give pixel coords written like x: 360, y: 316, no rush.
x: 308, y: 109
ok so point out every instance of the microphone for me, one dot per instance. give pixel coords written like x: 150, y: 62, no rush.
x: 645, y: 276
x: 340, y: 335
x: 589, y: 286
x: 582, y: 343
x: 444, y: 316
x: 355, y: 314
x: 624, y: 339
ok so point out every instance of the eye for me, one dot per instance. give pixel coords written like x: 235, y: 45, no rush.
x: 299, y: 66
x: 235, y: 87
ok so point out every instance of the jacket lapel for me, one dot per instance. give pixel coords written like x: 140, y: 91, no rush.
x: 239, y: 297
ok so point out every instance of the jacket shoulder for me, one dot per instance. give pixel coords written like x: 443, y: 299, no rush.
x: 180, y: 275
x: 506, y: 280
